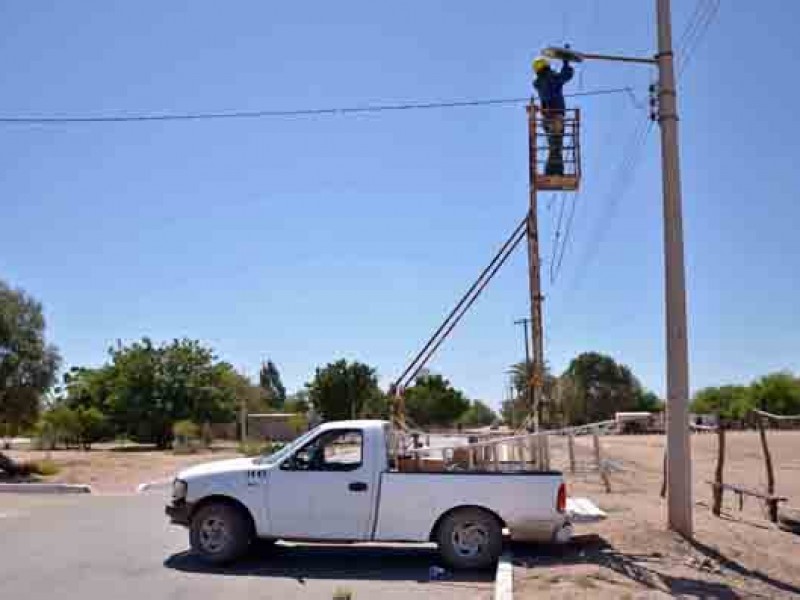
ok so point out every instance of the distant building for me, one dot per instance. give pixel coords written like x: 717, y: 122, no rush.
x: 277, y: 427
x: 639, y: 422
x: 703, y: 420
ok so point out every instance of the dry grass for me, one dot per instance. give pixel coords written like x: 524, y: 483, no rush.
x: 118, y: 471
x: 631, y: 553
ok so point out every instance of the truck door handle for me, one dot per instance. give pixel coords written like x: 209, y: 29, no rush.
x: 357, y: 486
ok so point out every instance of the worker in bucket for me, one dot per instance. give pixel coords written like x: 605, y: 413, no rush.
x: 550, y: 86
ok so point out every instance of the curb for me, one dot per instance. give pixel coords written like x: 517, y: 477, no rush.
x: 504, y: 578
x: 160, y: 484
x: 44, y: 488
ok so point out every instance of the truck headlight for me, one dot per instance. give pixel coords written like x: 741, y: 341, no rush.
x: 179, y: 489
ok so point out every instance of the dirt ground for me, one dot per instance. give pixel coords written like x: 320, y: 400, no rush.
x: 119, y: 470
x: 631, y: 555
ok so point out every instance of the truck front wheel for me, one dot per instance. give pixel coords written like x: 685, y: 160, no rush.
x: 470, y: 538
x: 220, y: 533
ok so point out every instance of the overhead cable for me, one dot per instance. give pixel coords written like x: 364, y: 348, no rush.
x: 301, y: 112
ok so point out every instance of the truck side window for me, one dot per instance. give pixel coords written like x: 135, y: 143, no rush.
x: 340, y: 450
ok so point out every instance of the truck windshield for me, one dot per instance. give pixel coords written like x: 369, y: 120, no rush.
x: 275, y: 457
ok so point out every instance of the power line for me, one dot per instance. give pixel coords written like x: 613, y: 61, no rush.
x: 303, y: 112
x: 692, y: 22
x: 624, y: 176
x: 557, y: 234
x: 558, y: 257
x: 703, y: 23
x: 696, y: 27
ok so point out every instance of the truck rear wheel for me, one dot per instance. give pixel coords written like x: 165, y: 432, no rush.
x: 470, y: 538
x: 220, y: 533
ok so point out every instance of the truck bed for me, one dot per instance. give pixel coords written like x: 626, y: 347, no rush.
x: 411, y: 503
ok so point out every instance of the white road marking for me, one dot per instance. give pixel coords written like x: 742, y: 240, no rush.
x: 504, y: 578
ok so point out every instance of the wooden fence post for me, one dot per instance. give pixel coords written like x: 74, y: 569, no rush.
x: 772, y: 505
x: 546, y: 451
x: 717, y: 493
x: 532, y: 451
x: 600, y: 467
x: 571, y: 450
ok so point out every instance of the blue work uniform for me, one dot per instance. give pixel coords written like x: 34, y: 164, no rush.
x: 550, y: 86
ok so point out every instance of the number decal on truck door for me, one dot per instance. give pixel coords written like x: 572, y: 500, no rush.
x: 256, y: 477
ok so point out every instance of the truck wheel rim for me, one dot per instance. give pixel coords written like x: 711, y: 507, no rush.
x: 470, y: 539
x: 214, y: 535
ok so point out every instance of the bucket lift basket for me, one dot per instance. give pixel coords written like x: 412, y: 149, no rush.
x: 554, y: 128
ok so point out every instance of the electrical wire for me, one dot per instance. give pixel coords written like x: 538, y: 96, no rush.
x: 692, y: 22
x: 558, y: 257
x: 557, y: 235
x: 304, y: 112
x: 692, y: 42
x: 697, y: 25
x: 624, y: 175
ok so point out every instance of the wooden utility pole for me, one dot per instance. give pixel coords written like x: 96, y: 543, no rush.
x: 528, y: 383
x: 679, y: 466
x: 536, y: 379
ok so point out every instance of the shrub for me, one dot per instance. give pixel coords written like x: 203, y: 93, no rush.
x: 186, y: 434
x: 44, y: 467
x: 186, y: 429
x: 255, y: 448
x: 298, y: 423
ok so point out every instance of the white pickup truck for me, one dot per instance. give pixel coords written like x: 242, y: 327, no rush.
x: 338, y: 483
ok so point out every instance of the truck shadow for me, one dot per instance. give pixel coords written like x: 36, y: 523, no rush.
x: 647, y: 570
x: 317, y: 561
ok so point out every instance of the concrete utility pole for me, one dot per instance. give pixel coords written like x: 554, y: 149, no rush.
x: 678, y: 455
x: 679, y: 465
x: 534, y: 269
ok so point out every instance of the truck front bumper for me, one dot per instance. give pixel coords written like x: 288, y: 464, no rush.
x: 179, y: 512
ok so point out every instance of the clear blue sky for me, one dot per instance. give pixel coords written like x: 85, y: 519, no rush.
x: 310, y: 239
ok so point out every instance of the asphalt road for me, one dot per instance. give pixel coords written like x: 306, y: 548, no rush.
x: 122, y: 548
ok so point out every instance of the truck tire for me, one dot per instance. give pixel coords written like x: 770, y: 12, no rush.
x: 220, y: 533
x: 470, y: 538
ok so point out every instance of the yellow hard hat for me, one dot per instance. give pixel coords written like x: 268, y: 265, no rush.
x: 540, y: 63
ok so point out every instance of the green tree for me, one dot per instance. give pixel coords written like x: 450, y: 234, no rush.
x: 28, y: 364
x: 727, y: 401
x: 777, y: 393
x: 270, y: 381
x: 376, y: 406
x: 478, y: 414
x: 433, y: 401
x: 244, y: 391
x: 515, y: 409
x: 595, y: 387
x: 61, y: 423
x: 298, y: 402
x: 648, y: 401
x: 91, y: 426
x: 151, y: 387
x: 343, y: 390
